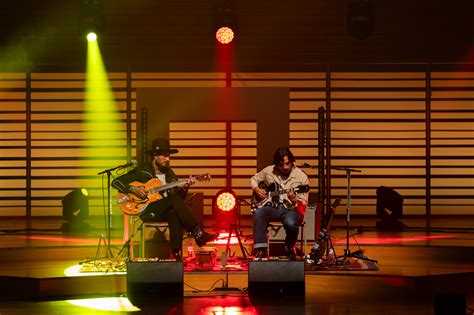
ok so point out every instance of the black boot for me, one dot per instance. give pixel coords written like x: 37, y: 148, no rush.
x: 290, y: 252
x: 202, y: 237
x: 261, y: 253
x: 177, y: 255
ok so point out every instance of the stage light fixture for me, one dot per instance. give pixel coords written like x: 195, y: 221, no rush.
x: 360, y: 19
x: 76, y: 211
x: 389, y: 199
x: 225, y: 209
x: 92, y: 37
x: 226, y: 201
x: 224, y: 35
x: 224, y: 22
x: 92, y: 19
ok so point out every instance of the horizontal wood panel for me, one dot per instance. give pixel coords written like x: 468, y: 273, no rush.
x: 378, y: 125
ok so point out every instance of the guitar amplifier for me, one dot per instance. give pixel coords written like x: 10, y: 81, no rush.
x: 313, y: 225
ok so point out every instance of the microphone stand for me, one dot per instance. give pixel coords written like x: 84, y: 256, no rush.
x: 347, y: 252
x: 108, y: 225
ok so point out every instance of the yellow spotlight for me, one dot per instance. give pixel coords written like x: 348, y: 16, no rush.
x: 92, y: 37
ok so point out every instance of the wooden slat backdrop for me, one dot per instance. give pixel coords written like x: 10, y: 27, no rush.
x: 203, y: 149
x: 13, y: 137
x: 65, y: 152
x: 379, y: 125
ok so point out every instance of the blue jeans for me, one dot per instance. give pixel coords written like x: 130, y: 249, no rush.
x: 290, y: 218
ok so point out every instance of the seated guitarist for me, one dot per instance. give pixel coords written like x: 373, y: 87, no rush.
x: 171, y: 207
x: 287, y: 207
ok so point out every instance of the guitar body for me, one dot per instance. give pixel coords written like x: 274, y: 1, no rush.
x: 259, y: 202
x: 273, y: 196
x: 133, y: 205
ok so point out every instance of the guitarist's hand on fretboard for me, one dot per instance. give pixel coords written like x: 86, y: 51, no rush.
x: 191, y: 181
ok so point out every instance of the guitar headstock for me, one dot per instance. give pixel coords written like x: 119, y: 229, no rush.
x: 203, y: 177
x: 301, y: 189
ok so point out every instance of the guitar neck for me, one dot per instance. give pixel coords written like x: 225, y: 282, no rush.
x: 277, y: 193
x: 169, y: 186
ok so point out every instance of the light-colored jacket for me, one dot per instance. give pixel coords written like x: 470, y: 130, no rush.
x: 295, y: 178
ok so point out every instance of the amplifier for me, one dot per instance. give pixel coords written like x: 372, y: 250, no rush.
x: 313, y: 224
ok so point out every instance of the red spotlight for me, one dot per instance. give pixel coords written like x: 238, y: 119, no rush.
x: 224, y: 25
x: 224, y: 35
x: 225, y: 209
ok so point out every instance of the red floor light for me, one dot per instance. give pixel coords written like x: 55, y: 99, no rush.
x: 224, y: 209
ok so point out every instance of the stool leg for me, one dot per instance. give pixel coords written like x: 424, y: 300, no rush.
x: 301, y: 238
x: 304, y: 242
x: 142, y: 242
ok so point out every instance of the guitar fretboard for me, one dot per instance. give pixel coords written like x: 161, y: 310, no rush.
x: 168, y: 186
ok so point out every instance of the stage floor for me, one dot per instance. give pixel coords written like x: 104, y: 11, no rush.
x: 414, y: 266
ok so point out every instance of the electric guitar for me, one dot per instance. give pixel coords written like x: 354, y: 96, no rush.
x: 318, y: 249
x: 131, y: 204
x: 272, y: 192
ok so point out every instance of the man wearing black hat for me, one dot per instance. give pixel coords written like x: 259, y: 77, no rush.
x: 172, y: 207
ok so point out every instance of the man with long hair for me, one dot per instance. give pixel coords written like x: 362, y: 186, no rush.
x: 287, y: 207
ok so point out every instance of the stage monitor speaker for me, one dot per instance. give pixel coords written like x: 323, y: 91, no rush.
x: 154, y: 282
x: 276, y: 278
x: 451, y: 304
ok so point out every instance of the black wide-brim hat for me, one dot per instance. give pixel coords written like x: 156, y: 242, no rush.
x: 161, y: 147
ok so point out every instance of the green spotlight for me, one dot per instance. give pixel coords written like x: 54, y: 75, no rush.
x: 92, y: 37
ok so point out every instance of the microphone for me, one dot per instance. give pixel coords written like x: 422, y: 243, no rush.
x: 120, y: 167
x: 131, y: 163
x: 306, y: 165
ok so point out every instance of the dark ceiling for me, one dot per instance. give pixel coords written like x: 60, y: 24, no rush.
x: 177, y: 35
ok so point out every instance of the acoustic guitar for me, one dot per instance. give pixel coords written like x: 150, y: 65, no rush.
x: 133, y: 205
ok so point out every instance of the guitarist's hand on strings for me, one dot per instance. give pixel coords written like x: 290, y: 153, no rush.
x: 262, y: 193
x: 291, y: 195
x: 137, y: 191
